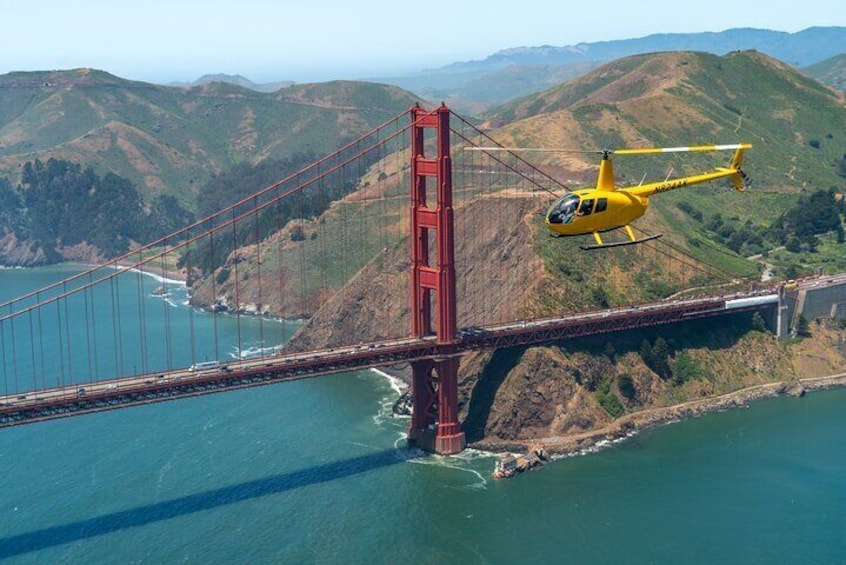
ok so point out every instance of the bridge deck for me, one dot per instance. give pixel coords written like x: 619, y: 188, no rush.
x: 52, y: 403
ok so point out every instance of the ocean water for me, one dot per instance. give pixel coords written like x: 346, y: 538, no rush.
x: 317, y: 471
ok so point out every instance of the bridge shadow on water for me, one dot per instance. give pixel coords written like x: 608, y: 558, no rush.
x: 109, y: 523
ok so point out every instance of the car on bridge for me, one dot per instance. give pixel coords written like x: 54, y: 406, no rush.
x: 205, y: 366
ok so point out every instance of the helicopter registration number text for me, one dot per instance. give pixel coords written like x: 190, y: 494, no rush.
x: 671, y: 185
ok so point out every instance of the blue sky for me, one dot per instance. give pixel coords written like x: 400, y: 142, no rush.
x: 306, y: 40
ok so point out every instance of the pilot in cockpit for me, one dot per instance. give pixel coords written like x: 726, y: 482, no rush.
x: 563, y: 210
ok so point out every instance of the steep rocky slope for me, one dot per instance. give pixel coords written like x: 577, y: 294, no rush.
x: 498, y: 270
x: 522, y: 395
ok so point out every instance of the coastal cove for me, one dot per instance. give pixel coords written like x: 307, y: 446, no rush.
x: 318, y: 470
x: 636, y: 422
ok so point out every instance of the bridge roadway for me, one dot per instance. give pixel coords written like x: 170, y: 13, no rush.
x: 71, y: 400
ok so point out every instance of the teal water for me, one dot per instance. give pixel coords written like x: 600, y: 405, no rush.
x: 134, y: 323
x: 316, y: 471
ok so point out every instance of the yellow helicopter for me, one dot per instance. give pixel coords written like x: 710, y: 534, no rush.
x: 606, y: 207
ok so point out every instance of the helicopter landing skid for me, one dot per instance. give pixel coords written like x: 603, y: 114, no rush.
x: 622, y: 243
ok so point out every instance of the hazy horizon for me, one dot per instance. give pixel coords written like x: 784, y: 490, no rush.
x: 165, y: 42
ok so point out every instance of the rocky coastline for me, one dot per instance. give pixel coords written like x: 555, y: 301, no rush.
x: 573, y: 444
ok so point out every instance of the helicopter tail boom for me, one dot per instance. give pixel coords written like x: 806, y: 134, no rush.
x: 735, y: 174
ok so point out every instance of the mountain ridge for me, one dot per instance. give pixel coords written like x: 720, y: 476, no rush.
x: 168, y: 139
x: 800, y: 48
x: 481, y: 84
x: 684, y: 98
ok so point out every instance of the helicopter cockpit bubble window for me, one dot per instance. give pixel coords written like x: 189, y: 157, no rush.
x: 563, y: 209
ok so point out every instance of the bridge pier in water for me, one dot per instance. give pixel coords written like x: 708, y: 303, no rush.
x: 434, y: 421
x: 434, y: 389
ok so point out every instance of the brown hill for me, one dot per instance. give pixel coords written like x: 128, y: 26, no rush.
x: 172, y: 140
x: 686, y: 98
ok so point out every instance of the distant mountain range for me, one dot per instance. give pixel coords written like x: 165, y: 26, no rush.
x: 473, y: 86
x: 798, y: 49
x: 235, y: 79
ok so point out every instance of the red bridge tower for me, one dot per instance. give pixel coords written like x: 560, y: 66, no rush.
x: 434, y: 388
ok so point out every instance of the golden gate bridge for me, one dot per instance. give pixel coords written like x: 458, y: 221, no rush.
x: 370, y: 257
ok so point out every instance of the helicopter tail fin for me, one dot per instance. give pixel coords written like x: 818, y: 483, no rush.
x: 739, y: 180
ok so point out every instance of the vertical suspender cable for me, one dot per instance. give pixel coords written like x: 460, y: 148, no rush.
x: 345, y: 239
x: 213, y: 305
x: 365, y: 250
x: 401, y: 145
x: 301, y: 245
x: 94, y: 330
x: 115, y: 329
x: 236, y: 260
x: 119, y: 317
x: 165, y: 298
x: 324, y: 262
x: 188, y: 288
x: 486, y: 191
x: 68, y: 335
x: 61, y: 373
x: 3, y: 347
x: 14, y: 355
x: 87, y: 334
x: 283, y: 326
x: 32, y: 352
x: 379, y: 210
x: 260, y: 307
x: 142, y: 322
x: 41, y: 344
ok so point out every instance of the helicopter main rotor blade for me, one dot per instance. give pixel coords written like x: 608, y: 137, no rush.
x: 641, y: 151
x: 648, y: 150
x: 530, y: 149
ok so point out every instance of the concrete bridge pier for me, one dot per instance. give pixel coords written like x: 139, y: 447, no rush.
x: 434, y: 421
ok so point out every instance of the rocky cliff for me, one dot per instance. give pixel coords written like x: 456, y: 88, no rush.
x: 515, y: 397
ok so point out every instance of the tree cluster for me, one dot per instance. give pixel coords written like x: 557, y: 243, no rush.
x: 59, y: 203
x: 796, y: 229
x: 812, y: 215
x: 245, y: 179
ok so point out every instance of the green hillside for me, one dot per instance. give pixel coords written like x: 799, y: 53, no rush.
x: 797, y: 127
x: 831, y: 71
x: 173, y: 140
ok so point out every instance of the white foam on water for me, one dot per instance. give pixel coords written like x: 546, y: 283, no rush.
x: 154, y: 276
x: 397, y: 384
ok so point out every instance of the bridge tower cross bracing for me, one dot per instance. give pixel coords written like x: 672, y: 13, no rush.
x: 434, y: 388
